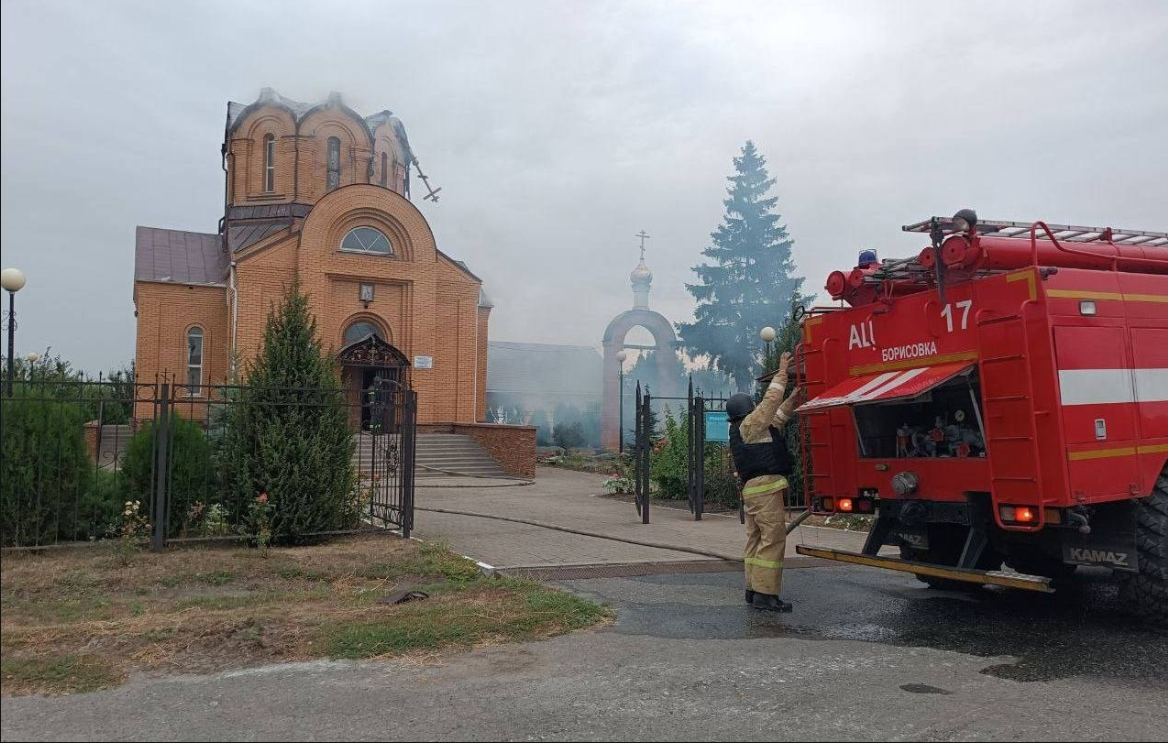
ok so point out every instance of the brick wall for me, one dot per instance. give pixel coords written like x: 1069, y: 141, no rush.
x: 513, y: 447
x: 301, y: 155
x: 166, y: 312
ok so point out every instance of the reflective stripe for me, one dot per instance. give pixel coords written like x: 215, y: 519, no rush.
x: 758, y: 562
x: 1113, y: 386
x: 770, y: 487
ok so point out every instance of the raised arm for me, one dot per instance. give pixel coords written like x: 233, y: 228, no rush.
x: 767, y: 413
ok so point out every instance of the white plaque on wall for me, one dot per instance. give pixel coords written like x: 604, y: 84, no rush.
x: 423, y: 362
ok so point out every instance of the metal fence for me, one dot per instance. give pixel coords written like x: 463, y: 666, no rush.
x: 700, y: 452
x: 85, y: 461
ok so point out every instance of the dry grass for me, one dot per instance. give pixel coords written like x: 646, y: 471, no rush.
x: 80, y: 620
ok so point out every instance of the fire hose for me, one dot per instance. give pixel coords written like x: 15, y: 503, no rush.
x: 581, y: 532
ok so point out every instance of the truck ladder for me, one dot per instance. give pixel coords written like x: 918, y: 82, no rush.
x: 1007, y: 360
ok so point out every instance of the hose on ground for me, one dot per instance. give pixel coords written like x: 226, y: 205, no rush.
x: 583, y: 533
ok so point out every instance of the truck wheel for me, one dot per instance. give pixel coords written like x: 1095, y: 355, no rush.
x: 1147, y: 590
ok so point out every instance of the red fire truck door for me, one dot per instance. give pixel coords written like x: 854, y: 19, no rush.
x: 1097, y: 394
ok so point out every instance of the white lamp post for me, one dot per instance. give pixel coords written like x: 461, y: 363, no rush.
x: 12, y: 279
x: 621, y: 355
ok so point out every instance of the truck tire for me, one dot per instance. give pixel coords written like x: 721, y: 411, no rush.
x: 1147, y: 590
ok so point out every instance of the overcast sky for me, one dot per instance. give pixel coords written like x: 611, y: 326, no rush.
x: 557, y: 130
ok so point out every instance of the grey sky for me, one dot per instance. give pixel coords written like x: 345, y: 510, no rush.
x: 559, y: 129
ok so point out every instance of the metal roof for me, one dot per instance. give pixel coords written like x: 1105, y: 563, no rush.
x: 241, y: 235
x: 179, y: 257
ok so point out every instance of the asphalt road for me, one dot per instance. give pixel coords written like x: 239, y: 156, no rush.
x: 868, y: 655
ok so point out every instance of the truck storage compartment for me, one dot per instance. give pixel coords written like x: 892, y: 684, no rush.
x: 926, y: 411
x: 943, y: 422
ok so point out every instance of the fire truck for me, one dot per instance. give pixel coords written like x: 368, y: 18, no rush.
x: 1000, y: 403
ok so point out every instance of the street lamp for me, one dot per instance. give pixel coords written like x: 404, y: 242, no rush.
x: 767, y: 335
x: 620, y: 372
x: 32, y: 360
x: 12, y: 279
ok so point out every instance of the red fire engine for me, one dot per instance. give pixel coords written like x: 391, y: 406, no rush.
x: 1000, y: 398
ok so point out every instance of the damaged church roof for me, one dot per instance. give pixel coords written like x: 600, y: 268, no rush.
x: 236, y: 112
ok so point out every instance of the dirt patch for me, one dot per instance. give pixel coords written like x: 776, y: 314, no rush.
x: 81, y: 620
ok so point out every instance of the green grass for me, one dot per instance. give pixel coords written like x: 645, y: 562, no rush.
x: 433, y: 560
x: 298, y: 572
x: 60, y: 674
x: 522, y: 611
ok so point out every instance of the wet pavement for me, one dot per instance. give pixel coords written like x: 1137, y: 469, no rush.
x: 1077, y: 632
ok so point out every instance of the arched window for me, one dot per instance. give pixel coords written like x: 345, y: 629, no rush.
x: 366, y: 240
x: 194, y: 360
x: 270, y: 163
x: 384, y: 169
x: 359, y: 331
x: 334, y: 163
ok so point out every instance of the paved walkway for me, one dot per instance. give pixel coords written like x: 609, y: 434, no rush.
x: 574, y: 500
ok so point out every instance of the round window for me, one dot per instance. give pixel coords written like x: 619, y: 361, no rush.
x: 359, y: 331
x: 366, y: 240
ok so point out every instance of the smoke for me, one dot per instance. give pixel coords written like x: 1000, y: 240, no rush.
x: 558, y: 130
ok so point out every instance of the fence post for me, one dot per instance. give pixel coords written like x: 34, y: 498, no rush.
x: 646, y: 448
x: 637, y: 449
x: 161, y: 481
x: 408, y: 458
x: 699, y: 457
x: 690, y: 491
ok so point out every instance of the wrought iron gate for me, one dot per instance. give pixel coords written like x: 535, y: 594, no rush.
x: 386, y: 454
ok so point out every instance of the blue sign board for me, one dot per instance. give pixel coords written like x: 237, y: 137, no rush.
x: 717, y: 426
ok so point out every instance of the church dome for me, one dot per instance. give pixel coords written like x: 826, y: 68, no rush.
x: 641, y: 274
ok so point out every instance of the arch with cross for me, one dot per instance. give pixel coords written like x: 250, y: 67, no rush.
x: 664, y: 342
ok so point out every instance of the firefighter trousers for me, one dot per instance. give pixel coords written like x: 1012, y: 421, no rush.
x: 766, y: 535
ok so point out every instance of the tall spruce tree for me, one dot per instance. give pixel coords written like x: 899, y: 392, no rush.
x: 749, y: 281
x: 287, y: 434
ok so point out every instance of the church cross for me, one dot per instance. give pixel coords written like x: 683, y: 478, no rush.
x: 643, y: 237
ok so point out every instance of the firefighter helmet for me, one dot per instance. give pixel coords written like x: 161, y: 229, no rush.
x: 739, y: 405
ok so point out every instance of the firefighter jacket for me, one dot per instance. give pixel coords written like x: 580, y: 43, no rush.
x: 757, y: 443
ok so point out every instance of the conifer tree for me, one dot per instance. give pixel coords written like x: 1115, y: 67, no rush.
x: 288, y: 435
x: 750, y: 278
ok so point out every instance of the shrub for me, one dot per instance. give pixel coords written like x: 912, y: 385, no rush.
x: 44, y: 469
x: 721, y: 482
x: 102, y: 504
x: 569, y: 435
x: 191, y: 476
x: 668, y: 462
x: 287, y: 435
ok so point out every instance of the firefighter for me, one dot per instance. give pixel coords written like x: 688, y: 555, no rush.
x: 763, y: 462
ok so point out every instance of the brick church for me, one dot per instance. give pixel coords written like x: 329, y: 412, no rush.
x: 320, y: 193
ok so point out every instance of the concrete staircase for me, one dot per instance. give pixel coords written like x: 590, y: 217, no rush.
x: 454, y: 453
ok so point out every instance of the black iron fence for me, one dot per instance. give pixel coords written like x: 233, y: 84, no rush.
x: 85, y: 461
x: 709, y: 470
